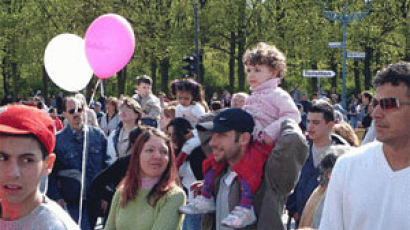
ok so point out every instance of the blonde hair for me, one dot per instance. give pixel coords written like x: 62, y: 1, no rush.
x: 264, y: 54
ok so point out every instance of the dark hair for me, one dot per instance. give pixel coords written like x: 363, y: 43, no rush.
x: 181, y: 128
x: 325, y: 108
x: 216, y: 105
x: 132, y: 180
x: 187, y: 85
x: 44, y: 150
x: 367, y: 94
x: 144, y: 79
x: 66, y: 99
x: 326, y: 166
x: 394, y: 74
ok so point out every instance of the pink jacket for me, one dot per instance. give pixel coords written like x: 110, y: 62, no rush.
x: 270, y: 105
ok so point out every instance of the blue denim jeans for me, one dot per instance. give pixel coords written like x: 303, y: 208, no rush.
x: 192, y: 222
x: 73, y: 210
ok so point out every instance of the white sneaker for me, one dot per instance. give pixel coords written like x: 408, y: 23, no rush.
x: 199, y: 205
x: 239, y: 218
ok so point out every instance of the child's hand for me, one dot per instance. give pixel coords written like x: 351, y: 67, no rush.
x: 267, y: 139
x: 196, y: 187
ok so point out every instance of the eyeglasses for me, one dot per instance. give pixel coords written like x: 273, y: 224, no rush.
x: 389, y: 103
x: 72, y: 111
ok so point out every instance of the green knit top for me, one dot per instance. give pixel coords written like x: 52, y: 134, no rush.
x: 138, y: 214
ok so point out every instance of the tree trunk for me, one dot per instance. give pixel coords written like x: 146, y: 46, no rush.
x: 45, y: 85
x: 232, y: 62
x: 163, y: 69
x: 5, y: 76
x: 241, y: 45
x: 15, y: 77
x: 367, y: 62
x: 122, y: 79
x: 154, y: 72
x: 313, y: 82
x: 356, y: 76
x: 333, y: 67
x: 201, y: 66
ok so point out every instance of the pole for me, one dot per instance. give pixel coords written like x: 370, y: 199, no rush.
x: 345, y: 19
x: 344, y: 56
x: 196, y: 40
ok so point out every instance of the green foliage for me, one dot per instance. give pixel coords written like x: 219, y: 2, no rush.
x: 164, y: 30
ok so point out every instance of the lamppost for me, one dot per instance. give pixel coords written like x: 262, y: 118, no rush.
x: 345, y: 18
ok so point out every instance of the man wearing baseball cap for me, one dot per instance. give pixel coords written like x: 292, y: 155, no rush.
x: 230, y: 140
x: 27, y: 140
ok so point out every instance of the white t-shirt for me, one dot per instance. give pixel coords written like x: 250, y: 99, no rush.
x: 192, y: 113
x: 364, y: 193
x: 48, y: 216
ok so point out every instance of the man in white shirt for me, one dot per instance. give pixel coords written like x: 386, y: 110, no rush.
x: 369, y: 188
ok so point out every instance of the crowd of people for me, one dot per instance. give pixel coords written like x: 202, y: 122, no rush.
x: 173, y: 162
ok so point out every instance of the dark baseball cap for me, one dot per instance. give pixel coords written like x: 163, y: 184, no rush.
x: 230, y: 119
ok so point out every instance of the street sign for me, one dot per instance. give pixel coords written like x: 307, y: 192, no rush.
x: 318, y: 73
x: 360, y: 55
x: 334, y: 45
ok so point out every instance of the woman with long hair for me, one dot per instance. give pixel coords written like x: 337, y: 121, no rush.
x: 110, y: 120
x: 190, y: 156
x: 130, y: 113
x: 148, y: 197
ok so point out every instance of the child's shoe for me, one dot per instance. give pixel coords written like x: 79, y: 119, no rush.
x: 239, y: 218
x: 199, y: 205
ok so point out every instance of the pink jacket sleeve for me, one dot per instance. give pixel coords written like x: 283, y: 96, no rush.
x: 287, y: 110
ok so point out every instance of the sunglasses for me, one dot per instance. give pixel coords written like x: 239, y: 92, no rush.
x: 72, y: 111
x: 389, y: 103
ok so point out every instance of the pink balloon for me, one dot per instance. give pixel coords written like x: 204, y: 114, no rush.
x: 109, y: 44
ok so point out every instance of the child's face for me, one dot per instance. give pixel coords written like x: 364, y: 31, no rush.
x: 144, y: 89
x: 184, y: 98
x: 258, y: 74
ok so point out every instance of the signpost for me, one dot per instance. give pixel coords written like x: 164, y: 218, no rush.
x: 358, y: 55
x: 334, y: 45
x: 319, y: 74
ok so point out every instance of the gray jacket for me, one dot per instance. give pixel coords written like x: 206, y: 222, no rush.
x: 281, y: 173
x: 150, y: 105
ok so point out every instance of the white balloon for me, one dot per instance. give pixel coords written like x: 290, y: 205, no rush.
x: 66, y: 63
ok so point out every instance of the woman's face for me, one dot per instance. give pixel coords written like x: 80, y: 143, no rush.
x: 154, y: 157
x: 127, y: 114
x: 110, y: 109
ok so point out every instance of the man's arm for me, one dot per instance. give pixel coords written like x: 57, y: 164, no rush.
x: 287, y: 158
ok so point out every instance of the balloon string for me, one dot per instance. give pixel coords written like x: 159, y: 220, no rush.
x: 102, y: 88
x: 92, y: 95
x: 83, y: 169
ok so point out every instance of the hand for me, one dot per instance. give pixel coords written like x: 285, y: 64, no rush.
x: 144, y: 115
x: 104, y: 206
x: 196, y: 187
x: 62, y: 203
x: 267, y: 139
